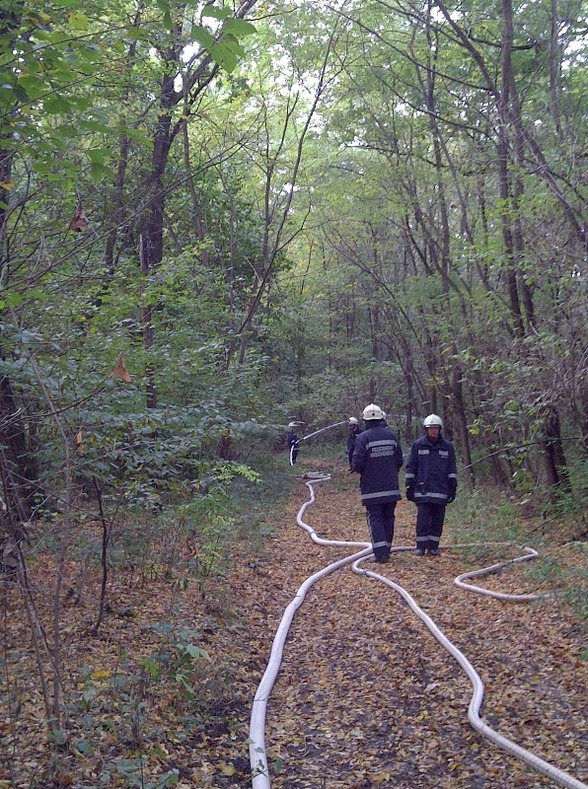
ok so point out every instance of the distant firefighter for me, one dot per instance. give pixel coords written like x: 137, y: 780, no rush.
x: 293, y: 443
x: 354, y: 431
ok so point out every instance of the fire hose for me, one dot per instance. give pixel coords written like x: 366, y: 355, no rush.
x: 257, y: 749
x: 296, y: 445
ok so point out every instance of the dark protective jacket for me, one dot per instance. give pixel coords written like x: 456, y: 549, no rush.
x: 294, y: 446
x: 377, y: 456
x: 354, y: 431
x: 431, y: 470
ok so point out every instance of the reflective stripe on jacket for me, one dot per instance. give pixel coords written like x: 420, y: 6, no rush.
x: 377, y: 456
x: 431, y: 470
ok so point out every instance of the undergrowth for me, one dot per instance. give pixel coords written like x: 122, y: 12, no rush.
x: 480, y: 518
x: 152, y: 658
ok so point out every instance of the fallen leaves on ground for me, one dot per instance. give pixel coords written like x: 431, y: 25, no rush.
x: 366, y: 697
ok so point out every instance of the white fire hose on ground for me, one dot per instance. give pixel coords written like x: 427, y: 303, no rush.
x: 257, y: 751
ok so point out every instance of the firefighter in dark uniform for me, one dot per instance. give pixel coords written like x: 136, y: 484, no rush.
x: 293, y: 443
x: 377, y: 456
x: 431, y: 482
x: 354, y: 431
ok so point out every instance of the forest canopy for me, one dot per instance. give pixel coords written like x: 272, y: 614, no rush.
x: 214, y: 213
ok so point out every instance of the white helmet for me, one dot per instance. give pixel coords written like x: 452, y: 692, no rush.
x: 292, y: 424
x: 433, y: 421
x: 353, y: 420
x: 372, y: 411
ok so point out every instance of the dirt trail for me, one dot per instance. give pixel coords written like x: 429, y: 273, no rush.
x: 367, y: 697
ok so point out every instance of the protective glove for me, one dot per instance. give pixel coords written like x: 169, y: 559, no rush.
x: 451, y: 498
x: 410, y: 494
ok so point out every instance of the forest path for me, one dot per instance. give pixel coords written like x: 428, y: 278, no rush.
x: 367, y: 697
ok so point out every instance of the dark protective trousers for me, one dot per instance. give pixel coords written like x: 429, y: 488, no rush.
x: 429, y: 525
x: 380, y: 518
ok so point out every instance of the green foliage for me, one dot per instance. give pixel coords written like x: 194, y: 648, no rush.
x: 176, y: 661
x: 568, y: 580
x: 146, y: 456
x: 502, y: 521
x: 569, y: 504
x: 133, y: 771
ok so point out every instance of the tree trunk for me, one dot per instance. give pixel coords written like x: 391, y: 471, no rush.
x: 147, y: 327
x: 553, y: 453
x: 554, y: 71
x: 503, y: 148
x: 461, y: 425
x: 18, y: 468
